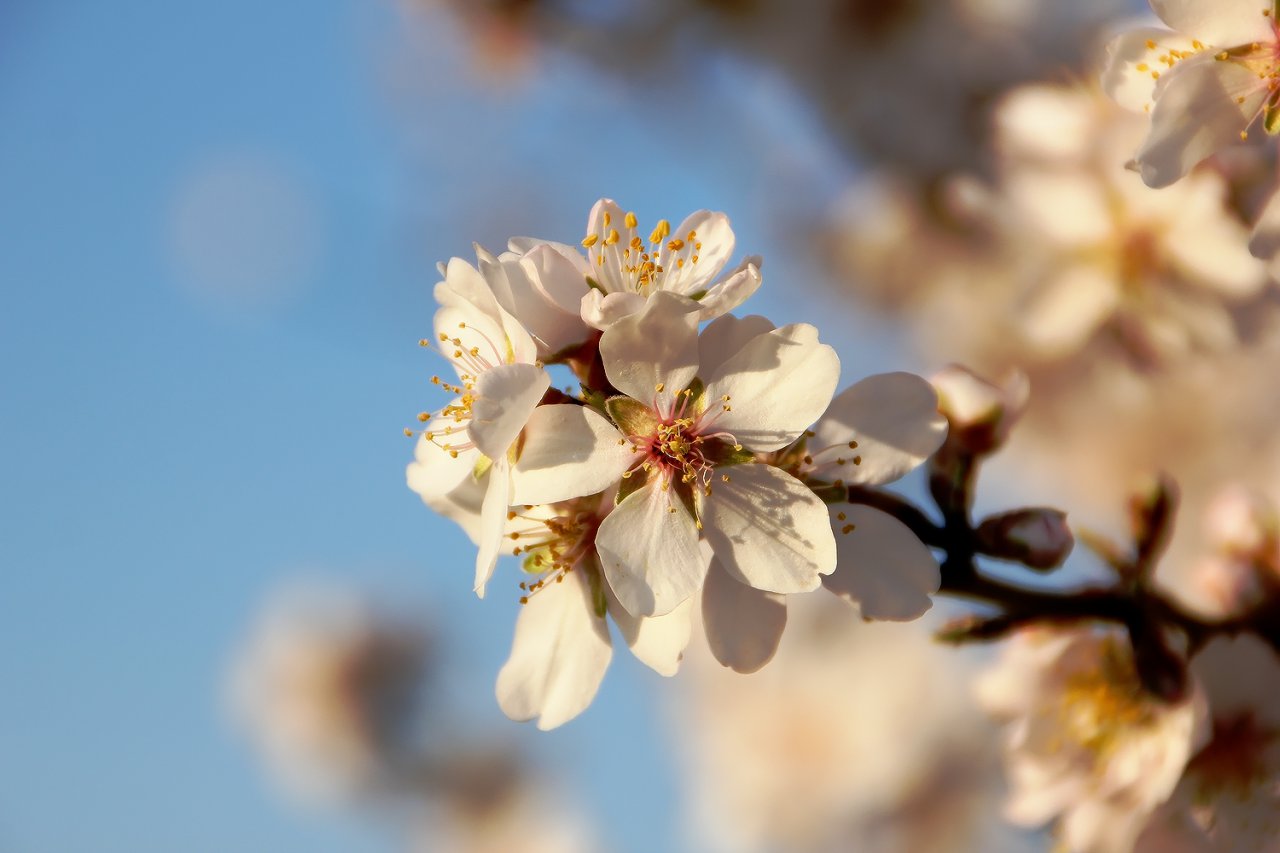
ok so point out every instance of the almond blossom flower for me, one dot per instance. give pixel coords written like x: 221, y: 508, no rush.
x: 1085, y: 744
x: 1229, y: 797
x: 1205, y: 83
x: 625, y: 268
x: 500, y: 383
x: 874, y: 433
x: 562, y: 647
x: 696, y: 410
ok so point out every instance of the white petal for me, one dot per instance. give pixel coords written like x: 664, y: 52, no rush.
x: 725, y: 337
x: 1129, y: 87
x: 649, y: 551
x: 568, y: 451
x: 657, y: 347
x: 524, y: 245
x: 716, y: 237
x: 609, y: 273
x: 883, y: 566
x: 778, y: 385
x: 893, y: 417
x: 768, y: 530
x: 519, y: 284
x: 726, y: 295
x: 743, y: 624
x: 558, y: 657
x: 493, y: 518
x: 506, y: 396
x: 657, y: 641
x: 601, y: 310
x: 434, y: 472
x: 462, y: 505
x: 556, y: 277
x: 1220, y: 23
x: 1196, y: 114
x: 1069, y: 308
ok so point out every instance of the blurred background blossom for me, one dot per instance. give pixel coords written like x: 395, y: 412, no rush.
x: 218, y: 236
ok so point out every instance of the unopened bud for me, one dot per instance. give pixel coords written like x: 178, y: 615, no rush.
x: 980, y: 413
x: 1039, y: 538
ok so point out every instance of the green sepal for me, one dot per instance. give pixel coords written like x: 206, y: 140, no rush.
x: 1271, y: 119
x: 631, y: 484
x: 722, y: 453
x: 632, y: 418
x: 689, y: 497
x: 483, y: 464
x: 829, y: 493
x: 594, y: 285
x: 595, y: 579
x: 594, y: 399
x: 698, y: 295
x: 697, y: 394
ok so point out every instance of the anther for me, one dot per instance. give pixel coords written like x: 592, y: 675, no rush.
x: 590, y: 240
x: 630, y: 219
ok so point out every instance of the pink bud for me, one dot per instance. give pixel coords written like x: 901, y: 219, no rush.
x: 1039, y: 538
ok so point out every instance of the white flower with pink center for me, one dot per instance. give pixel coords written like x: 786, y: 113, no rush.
x: 1205, y: 83
x: 692, y: 413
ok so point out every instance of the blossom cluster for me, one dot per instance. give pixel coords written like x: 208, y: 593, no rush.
x: 703, y: 464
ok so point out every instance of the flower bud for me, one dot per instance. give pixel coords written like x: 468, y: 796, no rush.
x: 1039, y: 538
x: 1242, y: 523
x: 980, y: 413
x: 1221, y: 587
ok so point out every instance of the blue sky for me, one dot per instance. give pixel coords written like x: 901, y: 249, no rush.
x: 218, y: 231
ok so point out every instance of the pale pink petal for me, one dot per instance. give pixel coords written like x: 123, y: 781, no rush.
x: 493, y: 518
x: 743, y: 624
x: 524, y: 245
x: 1196, y: 113
x: 657, y: 641
x: 649, y: 550
x: 894, y: 419
x: 461, y: 505
x: 608, y: 274
x: 556, y: 278
x: 768, y: 530
x: 716, y: 237
x: 568, y: 451
x: 725, y: 337
x: 1220, y: 23
x: 1070, y: 208
x: 726, y: 295
x: 558, y: 657
x: 601, y: 310
x: 434, y: 471
x: 505, y: 398
x: 883, y: 567
x: 1130, y: 87
x: 777, y: 385
x: 653, y: 355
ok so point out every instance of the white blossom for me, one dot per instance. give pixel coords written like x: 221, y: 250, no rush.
x: 1084, y: 744
x: 1205, y: 81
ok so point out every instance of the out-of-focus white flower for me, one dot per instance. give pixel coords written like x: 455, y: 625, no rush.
x: 327, y: 685
x: 1085, y: 745
x: 625, y: 268
x: 1229, y: 797
x: 562, y: 647
x: 859, y: 736
x: 1205, y: 83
